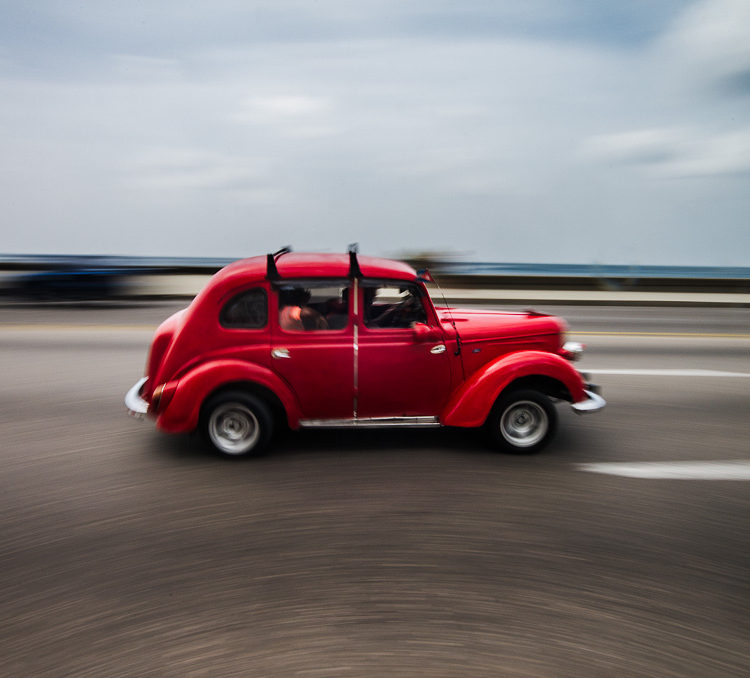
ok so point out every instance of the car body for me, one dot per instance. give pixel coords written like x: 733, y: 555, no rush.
x: 337, y: 340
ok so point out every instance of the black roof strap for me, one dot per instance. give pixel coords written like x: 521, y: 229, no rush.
x: 272, y: 273
x: 354, y: 270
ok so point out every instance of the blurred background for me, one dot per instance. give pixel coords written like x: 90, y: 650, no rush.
x: 558, y: 132
x: 588, y: 159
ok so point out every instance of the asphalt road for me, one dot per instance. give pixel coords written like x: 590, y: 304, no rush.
x: 126, y: 552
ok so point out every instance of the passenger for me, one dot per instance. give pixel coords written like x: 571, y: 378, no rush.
x: 312, y: 319
x: 296, y: 315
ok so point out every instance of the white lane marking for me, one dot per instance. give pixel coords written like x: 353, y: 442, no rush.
x: 675, y: 470
x: 669, y: 373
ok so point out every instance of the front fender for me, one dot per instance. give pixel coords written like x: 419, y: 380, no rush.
x: 470, y: 405
x: 182, y: 412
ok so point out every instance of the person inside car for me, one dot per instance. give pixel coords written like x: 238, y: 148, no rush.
x: 296, y: 315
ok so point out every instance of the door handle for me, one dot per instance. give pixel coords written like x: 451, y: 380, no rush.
x: 280, y: 353
x: 436, y: 350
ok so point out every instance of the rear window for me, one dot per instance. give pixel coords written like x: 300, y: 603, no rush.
x: 247, y: 310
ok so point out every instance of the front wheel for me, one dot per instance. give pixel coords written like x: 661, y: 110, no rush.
x: 522, y: 422
x: 236, y: 424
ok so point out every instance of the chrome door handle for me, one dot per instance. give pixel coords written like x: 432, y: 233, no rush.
x: 280, y: 353
x: 436, y: 350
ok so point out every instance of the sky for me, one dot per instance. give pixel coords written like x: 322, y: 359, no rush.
x: 549, y: 131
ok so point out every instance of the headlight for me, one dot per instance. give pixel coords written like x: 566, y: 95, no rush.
x: 572, y: 350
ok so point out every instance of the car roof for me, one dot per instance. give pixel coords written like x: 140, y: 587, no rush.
x: 312, y: 265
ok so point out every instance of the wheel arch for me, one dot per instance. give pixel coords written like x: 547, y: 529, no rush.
x: 193, y: 389
x: 548, y: 373
x: 550, y: 386
x: 252, y: 388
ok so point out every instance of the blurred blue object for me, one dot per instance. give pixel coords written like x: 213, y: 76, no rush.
x: 67, y: 284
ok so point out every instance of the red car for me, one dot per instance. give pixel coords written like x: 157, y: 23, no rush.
x: 336, y: 340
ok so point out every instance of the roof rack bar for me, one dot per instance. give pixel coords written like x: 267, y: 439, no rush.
x: 354, y: 270
x: 272, y: 273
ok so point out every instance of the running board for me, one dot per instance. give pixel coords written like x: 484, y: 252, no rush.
x: 370, y: 422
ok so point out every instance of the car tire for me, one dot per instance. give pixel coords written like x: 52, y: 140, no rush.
x: 522, y: 421
x: 236, y: 424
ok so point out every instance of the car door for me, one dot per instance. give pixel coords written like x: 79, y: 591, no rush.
x: 312, y: 345
x: 402, y: 371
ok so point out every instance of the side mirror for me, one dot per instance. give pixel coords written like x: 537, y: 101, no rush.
x: 424, y: 332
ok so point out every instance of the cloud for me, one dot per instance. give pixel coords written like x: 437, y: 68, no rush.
x: 139, y: 67
x: 639, y: 147
x: 395, y: 124
x: 688, y: 97
x: 711, y: 41
x: 296, y: 116
x: 182, y: 169
x: 710, y: 155
x: 675, y: 152
x: 275, y: 107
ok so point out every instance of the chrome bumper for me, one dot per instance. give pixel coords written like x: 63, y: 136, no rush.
x: 137, y: 406
x: 593, y: 403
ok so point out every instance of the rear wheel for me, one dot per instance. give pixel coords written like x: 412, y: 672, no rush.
x: 236, y: 423
x: 522, y: 421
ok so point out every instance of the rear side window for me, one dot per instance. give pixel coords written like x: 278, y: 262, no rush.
x: 248, y: 310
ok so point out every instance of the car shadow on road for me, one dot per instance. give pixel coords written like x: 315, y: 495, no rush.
x: 325, y: 442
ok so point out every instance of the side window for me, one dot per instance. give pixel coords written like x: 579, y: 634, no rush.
x: 392, y: 305
x: 247, y: 310
x: 310, y: 306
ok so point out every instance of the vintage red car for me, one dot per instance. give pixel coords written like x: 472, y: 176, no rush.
x: 337, y: 340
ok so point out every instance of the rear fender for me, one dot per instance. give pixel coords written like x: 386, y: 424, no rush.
x: 192, y: 389
x: 470, y: 405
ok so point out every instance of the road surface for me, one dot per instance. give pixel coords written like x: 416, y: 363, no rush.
x: 621, y: 550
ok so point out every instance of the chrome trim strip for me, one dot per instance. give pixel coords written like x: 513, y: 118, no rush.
x: 371, y: 422
x: 593, y: 403
x: 137, y: 406
x: 355, y: 400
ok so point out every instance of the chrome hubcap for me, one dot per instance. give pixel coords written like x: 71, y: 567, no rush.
x: 524, y: 423
x: 233, y: 428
